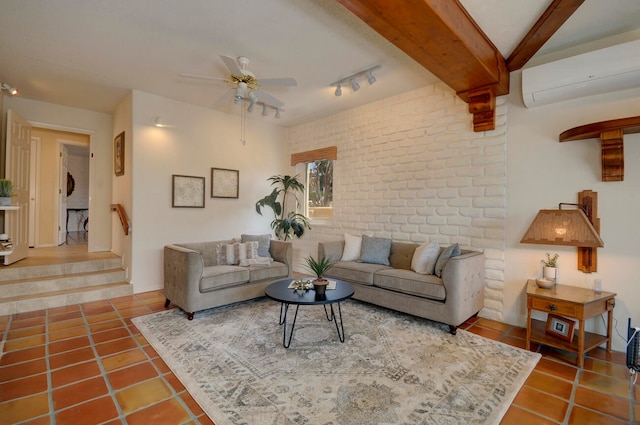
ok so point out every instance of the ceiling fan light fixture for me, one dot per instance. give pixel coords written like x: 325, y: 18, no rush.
x: 253, y: 97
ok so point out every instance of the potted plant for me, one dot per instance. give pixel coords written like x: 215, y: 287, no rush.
x: 319, y: 268
x: 550, y: 267
x: 6, y: 190
x: 292, y: 224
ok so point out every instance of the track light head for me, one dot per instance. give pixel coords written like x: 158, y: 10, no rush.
x: 277, y: 113
x: 156, y: 122
x: 253, y: 97
x: 264, y: 110
x: 250, y: 108
x: 354, y: 84
x: 370, y: 77
x: 11, y: 90
x: 339, y: 90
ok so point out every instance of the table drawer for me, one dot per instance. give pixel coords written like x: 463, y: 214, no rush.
x: 548, y: 306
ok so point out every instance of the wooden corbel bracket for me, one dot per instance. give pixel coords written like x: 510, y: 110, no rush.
x: 482, y: 104
x: 611, y: 134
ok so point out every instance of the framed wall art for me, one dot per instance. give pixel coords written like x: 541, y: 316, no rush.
x: 118, y: 154
x: 560, y: 326
x: 224, y: 183
x: 187, y: 192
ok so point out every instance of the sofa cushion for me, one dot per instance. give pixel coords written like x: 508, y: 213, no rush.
x: 408, y: 282
x: 263, y: 243
x: 207, y: 250
x: 352, y: 246
x: 425, y: 257
x: 218, y: 277
x: 375, y: 250
x: 232, y: 254
x: 401, y: 255
x: 354, y: 271
x: 275, y: 270
x: 448, y: 252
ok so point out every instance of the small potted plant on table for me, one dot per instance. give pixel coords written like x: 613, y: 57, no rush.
x: 550, y: 267
x: 319, y: 268
x: 6, y: 190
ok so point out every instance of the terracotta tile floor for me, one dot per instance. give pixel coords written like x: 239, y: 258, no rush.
x: 87, y: 364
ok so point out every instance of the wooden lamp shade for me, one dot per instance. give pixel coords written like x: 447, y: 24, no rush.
x: 562, y: 227
x: 573, y: 227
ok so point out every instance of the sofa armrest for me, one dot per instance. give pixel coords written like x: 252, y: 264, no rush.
x: 463, y: 279
x: 183, y: 270
x: 283, y: 252
x: 331, y: 249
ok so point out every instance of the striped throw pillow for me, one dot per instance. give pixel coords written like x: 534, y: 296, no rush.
x: 232, y: 254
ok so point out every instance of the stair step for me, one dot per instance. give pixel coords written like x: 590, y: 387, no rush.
x: 12, y: 288
x: 60, y: 269
x: 63, y: 297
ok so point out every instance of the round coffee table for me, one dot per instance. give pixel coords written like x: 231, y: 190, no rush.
x: 280, y: 291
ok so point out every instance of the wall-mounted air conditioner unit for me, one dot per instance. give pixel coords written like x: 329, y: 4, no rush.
x: 601, y: 71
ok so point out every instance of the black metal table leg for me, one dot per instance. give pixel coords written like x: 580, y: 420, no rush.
x: 283, y: 321
x: 340, y: 336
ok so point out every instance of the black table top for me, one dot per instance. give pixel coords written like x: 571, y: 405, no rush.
x: 280, y: 292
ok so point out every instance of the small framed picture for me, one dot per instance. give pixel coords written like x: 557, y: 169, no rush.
x: 187, y: 192
x: 560, y: 326
x: 224, y: 183
x: 118, y: 154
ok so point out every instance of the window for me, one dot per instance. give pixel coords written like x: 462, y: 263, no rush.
x: 319, y: 189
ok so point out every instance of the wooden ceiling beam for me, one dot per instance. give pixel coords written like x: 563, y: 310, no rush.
x: 551, y: 20
x: 441, y: 36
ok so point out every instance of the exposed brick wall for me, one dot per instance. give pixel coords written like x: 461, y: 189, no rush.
x: 411, y: 168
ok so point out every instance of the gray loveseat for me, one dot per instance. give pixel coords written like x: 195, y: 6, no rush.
x: 193, y: 279
x: 452, y: 298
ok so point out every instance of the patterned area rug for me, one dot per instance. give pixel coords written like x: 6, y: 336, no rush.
x: 391, y: 369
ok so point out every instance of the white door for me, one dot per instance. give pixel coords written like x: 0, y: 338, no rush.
x: 62, y: 195
x: 16, y: 223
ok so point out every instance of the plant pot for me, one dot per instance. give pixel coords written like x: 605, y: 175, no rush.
x: 550, y: 273
x: 320, y: 286
x: 5, y: 201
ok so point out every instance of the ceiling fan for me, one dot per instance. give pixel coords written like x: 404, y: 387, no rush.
x: 246, y: 87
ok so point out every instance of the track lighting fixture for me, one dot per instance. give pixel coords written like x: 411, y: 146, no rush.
x: 251, y: 105
x: 11, y: 90
x: 156, y: 121
x: 352, y: 80
x: 277, y: 112
x: 264, y: 110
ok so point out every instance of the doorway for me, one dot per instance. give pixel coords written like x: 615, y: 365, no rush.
x: 60, y: 194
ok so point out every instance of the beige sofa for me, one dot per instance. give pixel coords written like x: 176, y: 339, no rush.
x: 193, y: 279
x: 451, y: 299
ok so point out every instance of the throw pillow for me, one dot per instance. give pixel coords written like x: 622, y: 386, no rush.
x: 401, y: 255
x: 448, y: 252
x: 232, y: 254
x: 425, y: 257
x: 375, y: 250
x: 264, y: 243
x: 352, y: 246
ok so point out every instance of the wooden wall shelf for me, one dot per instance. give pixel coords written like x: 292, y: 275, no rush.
x: 611, y: 134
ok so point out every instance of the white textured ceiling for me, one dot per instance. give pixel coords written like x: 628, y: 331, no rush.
x: 90, y: 53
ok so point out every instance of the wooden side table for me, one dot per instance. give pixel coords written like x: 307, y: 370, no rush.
x: 573, y: 303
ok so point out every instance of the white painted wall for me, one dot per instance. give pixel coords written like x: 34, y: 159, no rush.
x: 410, y: 168
x: 99, y: 126
x: 198, y: 139
x: 543, y: 172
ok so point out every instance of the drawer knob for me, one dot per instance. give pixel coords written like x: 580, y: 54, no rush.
x: 552, y: 307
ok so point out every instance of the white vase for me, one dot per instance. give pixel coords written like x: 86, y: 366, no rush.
x: 550, y: 273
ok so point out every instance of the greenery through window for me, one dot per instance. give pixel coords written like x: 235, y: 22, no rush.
x: 319, y: 189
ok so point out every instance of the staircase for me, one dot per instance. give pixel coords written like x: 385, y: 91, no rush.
x: 36, y: 287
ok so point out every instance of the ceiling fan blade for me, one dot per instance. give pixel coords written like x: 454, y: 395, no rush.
x: 277, y: 82
x: 268, y: 99
x: 232, y: 65
x: 202, y: 77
